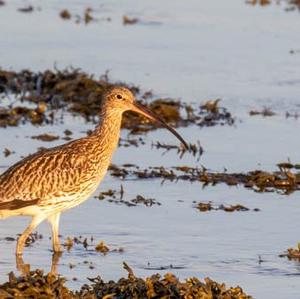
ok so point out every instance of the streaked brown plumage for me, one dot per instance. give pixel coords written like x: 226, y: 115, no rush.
x: 48, y: 182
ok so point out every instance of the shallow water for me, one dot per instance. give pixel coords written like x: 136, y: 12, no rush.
x: 195, y: 50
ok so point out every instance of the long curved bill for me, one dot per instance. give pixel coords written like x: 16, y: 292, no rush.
x: 151, y: 115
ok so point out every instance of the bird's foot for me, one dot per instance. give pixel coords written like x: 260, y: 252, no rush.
x: 21, y: 266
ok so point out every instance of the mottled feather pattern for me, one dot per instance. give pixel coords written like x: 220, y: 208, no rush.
x: 65, y: 175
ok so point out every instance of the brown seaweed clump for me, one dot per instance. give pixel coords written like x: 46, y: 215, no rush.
x: 290, y: 4
x: 129, y: 21
x: 20, y: 114
x: 195, y: 149
x: 86, y: 17
x: 26, y: 9
x: 208, y: 206
x: 45, y: 137
x: 79, y: 93
x: 283, y: 181
x: 7, y: 152
x: 294, y: 4
x: 35, y: 285
x: 38, y: 285
x: 260, y: 2
x: 292, y: 253
x: 156, y: 287
x: 117, y: 197
x: 265, y: 112
x: 65, y: 14
x: 101, y: 247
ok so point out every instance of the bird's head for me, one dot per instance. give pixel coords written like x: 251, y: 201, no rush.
x: 122, y: 99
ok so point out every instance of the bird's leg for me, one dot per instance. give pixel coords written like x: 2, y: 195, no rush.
x: 21, y: 266
x: 54, y: 220
x: 55, y: 259
x: 36, y: 220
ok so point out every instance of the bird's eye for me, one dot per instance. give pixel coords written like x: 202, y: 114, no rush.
x: 119, y: 97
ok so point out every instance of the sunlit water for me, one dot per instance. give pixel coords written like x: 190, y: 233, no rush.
x: 193, y: 50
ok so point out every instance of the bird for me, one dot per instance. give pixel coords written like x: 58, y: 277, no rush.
x: 51, y: 181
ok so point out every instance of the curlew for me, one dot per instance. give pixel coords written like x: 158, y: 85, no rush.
x: 46, y: 183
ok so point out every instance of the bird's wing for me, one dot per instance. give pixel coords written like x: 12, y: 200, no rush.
x: 40, y: 176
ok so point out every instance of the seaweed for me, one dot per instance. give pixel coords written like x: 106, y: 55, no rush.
x: 117, y: 197
x: 36, y: 284
x: 284, y: 181
x: 195, y: 149
x: 208, y: 206
x: 81, y: 94
x: 156, y: 286
x: 27, y: 9
x: 7, y: 152
x: 65, y: 14
x: 129, y: 21
x: 45, y: 137
x: 290, y: 5
x: 265, y: 112
x: 292, y: 253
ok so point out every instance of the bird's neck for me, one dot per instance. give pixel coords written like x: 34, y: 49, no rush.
x: 106, y: 135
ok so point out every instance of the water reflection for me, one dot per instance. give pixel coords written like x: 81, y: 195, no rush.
x: 24, y: 268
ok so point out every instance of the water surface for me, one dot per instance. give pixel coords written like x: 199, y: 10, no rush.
x: 192, y: 50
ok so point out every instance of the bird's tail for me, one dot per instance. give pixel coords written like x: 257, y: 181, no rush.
x: 5, y: 214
